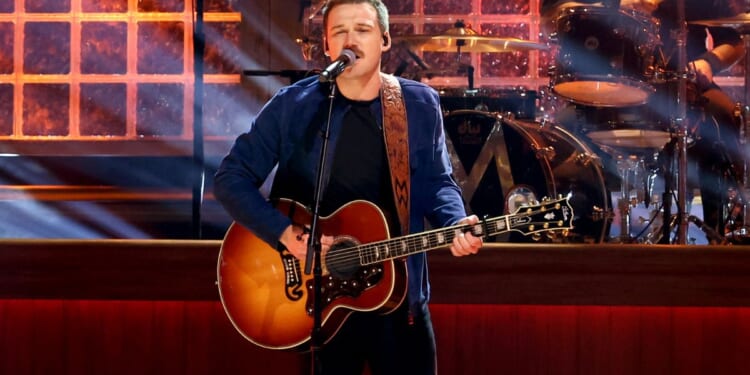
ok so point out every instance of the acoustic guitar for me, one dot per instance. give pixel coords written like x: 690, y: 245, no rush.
x: 269, y: 298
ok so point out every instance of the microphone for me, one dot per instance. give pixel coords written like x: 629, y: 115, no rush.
x: 330, y: 73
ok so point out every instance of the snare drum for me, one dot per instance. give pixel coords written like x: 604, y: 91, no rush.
x: 605, y: 56
x: 631, y: 128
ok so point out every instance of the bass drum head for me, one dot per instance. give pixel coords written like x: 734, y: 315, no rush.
x: 501, y: 162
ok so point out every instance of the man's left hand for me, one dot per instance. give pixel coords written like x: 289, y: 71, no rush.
x: 465, y: 243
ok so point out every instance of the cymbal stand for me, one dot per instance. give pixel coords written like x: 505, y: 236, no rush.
x: 464, y: 68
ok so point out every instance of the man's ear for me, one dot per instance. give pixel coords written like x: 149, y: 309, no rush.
x: 386, y: 41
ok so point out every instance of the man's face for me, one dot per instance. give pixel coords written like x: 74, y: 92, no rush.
x: 355, y: 26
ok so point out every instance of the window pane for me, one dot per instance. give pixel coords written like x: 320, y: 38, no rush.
x: 447, y: 7
x: 47, y: 48
x: 46, y: 6
x: 46, y: 109
x: 160, y: 108
x: 505, y: 7
x: 221, y: 5
x: 160, y: 47
x: 507, y: 64
x: 103, y: 109
x: 400, y: 6
x: 104, y: 47
x: 104, y: 6
x: 6, y: 47
x: 161, y: 5
x: 7, y: 6
x: 6, y: 109
x: 222, y: 54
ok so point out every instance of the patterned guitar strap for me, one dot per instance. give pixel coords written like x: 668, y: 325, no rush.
x: 397, y: 145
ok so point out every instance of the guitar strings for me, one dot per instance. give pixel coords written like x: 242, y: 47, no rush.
x: 412, y: 241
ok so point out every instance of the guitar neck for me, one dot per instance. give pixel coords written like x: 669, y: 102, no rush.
x: 377, y: 252
x: 552, y: 215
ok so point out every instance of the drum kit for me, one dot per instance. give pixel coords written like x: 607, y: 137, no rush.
x: 607, y: 136
x: 606, y: 69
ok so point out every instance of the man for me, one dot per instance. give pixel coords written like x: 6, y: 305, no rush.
x: 287, y: 132
x: 717, y: 154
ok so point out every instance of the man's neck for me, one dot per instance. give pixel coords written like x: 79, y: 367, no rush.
x: 362, y: 89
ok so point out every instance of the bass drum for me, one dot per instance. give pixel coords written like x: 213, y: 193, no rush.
x: 501, y: 163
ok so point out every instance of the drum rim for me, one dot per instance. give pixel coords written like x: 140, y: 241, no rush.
x: 492, y: 114
x: 642, y: 17
x: 530, y: 132
x: 480, y: 92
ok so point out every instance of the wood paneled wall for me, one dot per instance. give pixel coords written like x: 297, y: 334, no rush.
x: 180, y: 337
x: 151, y: 307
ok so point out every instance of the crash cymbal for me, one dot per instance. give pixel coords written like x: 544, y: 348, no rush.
x: 464, y: 39
x: 740, y: 21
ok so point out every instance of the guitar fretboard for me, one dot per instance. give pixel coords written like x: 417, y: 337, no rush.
x: 545, y: 217
x: 416, y: 243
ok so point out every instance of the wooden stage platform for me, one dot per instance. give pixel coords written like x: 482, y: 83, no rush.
x: 143, y: 306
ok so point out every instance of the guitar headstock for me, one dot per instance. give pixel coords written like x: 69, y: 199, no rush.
x: 549, y: 215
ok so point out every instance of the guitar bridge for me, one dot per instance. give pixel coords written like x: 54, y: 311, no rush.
x: 333, y: 288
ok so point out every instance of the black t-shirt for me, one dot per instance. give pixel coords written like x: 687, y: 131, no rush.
x: 360, y: 166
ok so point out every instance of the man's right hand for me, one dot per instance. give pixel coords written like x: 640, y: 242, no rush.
x: 295, y: 238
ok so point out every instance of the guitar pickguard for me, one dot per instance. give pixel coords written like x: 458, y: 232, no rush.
x: 333, y: 288
x: 292, y: 275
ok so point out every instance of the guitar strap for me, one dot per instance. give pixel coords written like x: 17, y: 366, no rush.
x: 396, y: 134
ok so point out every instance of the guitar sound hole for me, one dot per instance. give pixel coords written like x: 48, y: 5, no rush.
x: 342, y: 260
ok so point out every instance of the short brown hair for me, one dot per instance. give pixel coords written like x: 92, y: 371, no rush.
x: 380, y: 8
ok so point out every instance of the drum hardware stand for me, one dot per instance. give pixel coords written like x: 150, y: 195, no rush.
x: 463, y: 68
x: 738, y: 205
x: 678, y: 122
x: 741, y: 23
x: 469, y: 69
x: 741, y: 113
x: 630, y: 169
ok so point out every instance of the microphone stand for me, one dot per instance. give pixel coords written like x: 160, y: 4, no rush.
x: 313, y: 256
x: 198, y: 167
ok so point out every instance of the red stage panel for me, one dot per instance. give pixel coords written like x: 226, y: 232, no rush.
x: 117, y: 307
x: 143, y: 337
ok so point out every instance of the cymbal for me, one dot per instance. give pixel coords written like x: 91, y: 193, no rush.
x: 739, y: 21
x: 464, y: 39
